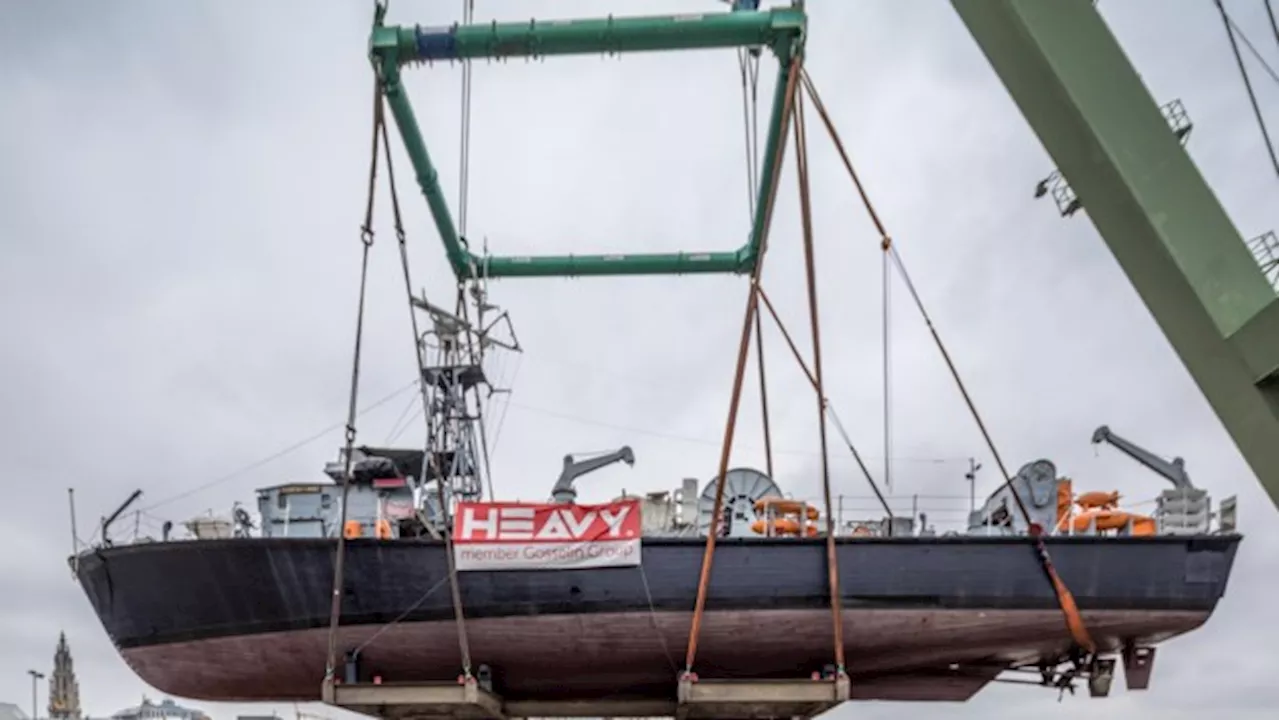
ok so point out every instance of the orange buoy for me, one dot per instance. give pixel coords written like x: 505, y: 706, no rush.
x: 1144, y: 526
x: 1098, y: 499
x: 1100, y: 519
x: 787, y: 506
x: 784, y: 526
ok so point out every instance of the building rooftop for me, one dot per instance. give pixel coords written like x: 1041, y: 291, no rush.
x: 9, y: 711
x: 164, y: 710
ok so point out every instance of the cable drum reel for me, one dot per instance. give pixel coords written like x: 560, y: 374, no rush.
x: 742, y: 488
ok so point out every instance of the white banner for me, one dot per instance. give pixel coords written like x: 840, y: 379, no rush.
x: 528, y: 536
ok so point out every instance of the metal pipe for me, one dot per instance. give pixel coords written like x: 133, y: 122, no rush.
x: 782, y: 29
x: 424, y: 170
x: 678, y: 263
x: 776, y: 28
x: 75, y: 539
x: 764, y: 396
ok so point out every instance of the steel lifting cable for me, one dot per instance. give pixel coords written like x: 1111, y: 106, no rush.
x: 886, y: 376
x: 1248, y: 84
x: 287, y: 449
x: 464, y: 197
x: 750, y: 75
x: 735, y: 396
x: 806, y: 220
x: 1070, y: 611
x: 748, y: 66
x: 764, y: 396
x: 835, y: 419
x: 464, y: 647
x: 366, y: 242
x: 749, y: 70
x: 464, y: 141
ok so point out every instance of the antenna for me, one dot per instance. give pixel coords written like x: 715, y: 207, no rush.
x: 75, y: 539
x: 972, y: 477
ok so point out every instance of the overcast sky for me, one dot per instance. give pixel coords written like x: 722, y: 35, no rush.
x: 182, y: 186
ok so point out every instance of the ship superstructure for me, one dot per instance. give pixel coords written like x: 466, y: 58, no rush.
x: 387, y: 501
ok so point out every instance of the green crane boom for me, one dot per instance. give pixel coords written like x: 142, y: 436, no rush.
x: 1082, y: 97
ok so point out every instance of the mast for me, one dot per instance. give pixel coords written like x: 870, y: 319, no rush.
x: 453, y: 350
x: 452, y: 376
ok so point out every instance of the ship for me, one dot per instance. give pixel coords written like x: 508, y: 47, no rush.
x: 397, y: 586
x: 239, y: 611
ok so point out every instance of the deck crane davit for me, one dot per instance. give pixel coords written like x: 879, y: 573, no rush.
x: 1180, y: 509
x: 1174, y: 470
x: 564, y: 492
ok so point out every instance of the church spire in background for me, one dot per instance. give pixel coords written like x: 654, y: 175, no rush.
x: 64, y: 691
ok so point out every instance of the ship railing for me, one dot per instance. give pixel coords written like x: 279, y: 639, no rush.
x: 142, y: 527
x: 917, y: 514
x: 914, y: 514
x: 1174, y: 512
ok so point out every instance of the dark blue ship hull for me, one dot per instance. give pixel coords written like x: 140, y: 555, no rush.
x: 247, y: 619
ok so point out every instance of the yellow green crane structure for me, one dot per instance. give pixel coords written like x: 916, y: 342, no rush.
x: 1085, y: 101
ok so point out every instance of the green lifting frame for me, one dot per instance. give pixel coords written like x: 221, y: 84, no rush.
x: 1073, y: 83
x: 391, y: 48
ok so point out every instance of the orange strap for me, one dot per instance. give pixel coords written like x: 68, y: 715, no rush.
x: 735, y: 396
x: 1070, y: 612
x: 1067, y: 601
